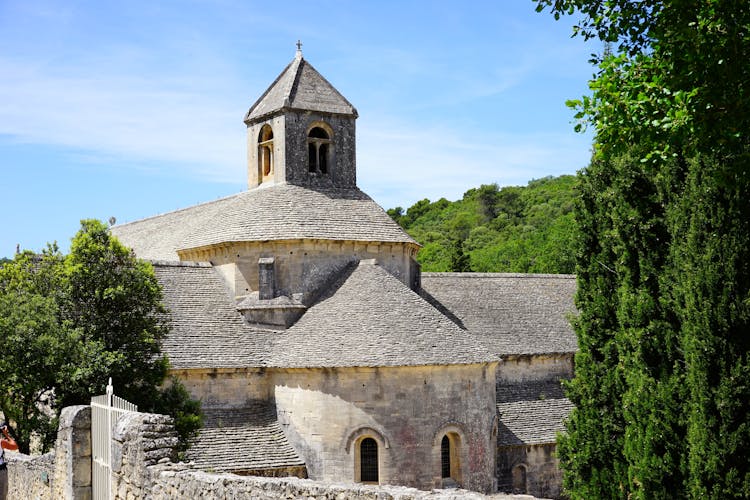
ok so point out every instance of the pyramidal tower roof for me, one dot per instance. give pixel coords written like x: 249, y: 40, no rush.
x: 300, y: 87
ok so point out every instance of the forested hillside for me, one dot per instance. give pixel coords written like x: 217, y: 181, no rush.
x: 511, y: 229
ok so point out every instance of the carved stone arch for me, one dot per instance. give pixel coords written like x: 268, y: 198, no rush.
x: 362, y: 432
x: 320, y: 124
x: 365, y: 445
x: 450, y: 426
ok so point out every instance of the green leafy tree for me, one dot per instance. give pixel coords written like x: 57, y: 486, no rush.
x: 459, y: 260
x: 38, y: 351
x: 396, y: 214
x: 670, y: 105
x: 115, y: 301
x: 69, y: 323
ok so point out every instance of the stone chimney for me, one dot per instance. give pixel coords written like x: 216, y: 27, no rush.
x: 266, y: 278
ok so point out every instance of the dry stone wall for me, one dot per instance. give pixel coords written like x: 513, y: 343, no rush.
x: 541, y: 470
x: 142, y: 469
x: 406, y: 410
x: 142, y: 452
x: 30, y: 477
x: 64, y: 473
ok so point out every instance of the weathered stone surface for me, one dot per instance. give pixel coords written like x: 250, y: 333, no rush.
x: 344, y: 349
x: 282, y: 212
x: 31, y: 477
x: 247, y: 440
x: 515, y: 314
x: 407, y: 410
x: 73, y: 452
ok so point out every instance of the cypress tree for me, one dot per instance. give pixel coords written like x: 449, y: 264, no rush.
x: 591, y: 451
x: 666, y: 201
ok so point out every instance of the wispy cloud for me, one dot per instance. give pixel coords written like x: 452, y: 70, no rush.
x: 135, y: 118
x: 401, y: 163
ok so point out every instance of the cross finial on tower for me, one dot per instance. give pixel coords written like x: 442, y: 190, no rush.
x: 299, y: 48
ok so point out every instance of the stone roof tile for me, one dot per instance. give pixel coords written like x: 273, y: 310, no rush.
x: 207, y: 331
x: 301, y: 87
x: 242, y: 440
x: 366, y: 318
x: 370, y: 318
x: 279, y: 212
x: 531, y: 412
x: 514, y: 314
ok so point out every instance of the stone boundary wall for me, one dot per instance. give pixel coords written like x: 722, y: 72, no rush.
x: 30, y: 477
x: 175, y: 481
x: 64, y: 473
x: 143, y: 468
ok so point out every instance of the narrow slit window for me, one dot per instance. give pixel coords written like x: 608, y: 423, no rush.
x: 265, y: 151
x: 312, y: 154
x: 323, y: 158
x: 445, y: 457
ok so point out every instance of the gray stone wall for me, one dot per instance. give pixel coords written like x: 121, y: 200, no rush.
x: 302, y: 267
x: 142, y: 468
x: 278, y: 173
x: 168, y: 482
x: 62, y: 473
x: 143, y: 445
x: 73, y: 454
x: 407, y: 410
x: 30, y: 477
x: 541, y: 469
x: 226, y: 388
x: 138, y: 441
x: 342, y: 170
x: 290, y: 160
x: 534, y: 368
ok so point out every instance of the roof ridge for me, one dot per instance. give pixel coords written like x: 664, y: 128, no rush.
x: 191, y: 207
x: 268, y: 90
x: 179, y: 263
x: 291, y: 92
x: 325, y: 80
x: 496, y: 275
x: 369, y: 317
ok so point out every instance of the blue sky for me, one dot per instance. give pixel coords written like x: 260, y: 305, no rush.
x: 129, y: 109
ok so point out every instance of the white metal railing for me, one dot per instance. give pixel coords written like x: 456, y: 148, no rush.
x: 105, y: 410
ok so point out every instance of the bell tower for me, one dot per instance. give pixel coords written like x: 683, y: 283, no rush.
x: 301, y: 131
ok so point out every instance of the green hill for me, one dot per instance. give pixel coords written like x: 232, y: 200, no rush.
x: 511, y: 229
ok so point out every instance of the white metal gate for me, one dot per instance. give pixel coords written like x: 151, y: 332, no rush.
x: 105, y: 410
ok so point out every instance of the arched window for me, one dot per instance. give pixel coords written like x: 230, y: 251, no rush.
x: 365, y: 445
x: 519, y: 479
x: 265, y: 151
x: 368, y: 461
x: 450, y: 461
x: 318, y: 150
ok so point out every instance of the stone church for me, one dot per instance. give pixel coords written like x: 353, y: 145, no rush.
x: 302, y: 321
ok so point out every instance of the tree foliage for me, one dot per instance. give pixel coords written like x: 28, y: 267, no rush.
x: 68, y: 323
x: 492, y: 229
x: 661, y: 383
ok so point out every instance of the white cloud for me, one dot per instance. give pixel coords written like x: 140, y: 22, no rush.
x: 136, y: 119
x: 399, y: 163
